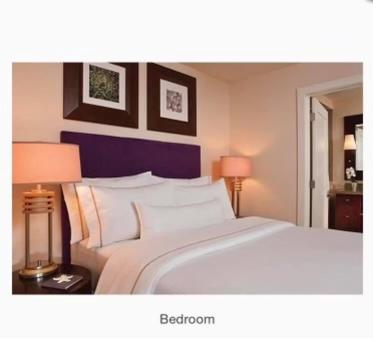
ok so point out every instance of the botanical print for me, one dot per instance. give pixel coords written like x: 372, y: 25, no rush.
x: 99, y: 93
x: 174, y: 101
x: 171, y: 102
x: 103, y: 84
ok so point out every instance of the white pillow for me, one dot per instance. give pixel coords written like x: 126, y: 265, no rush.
x: 117, y: 218
x: 204, y: 193
x: 156, y: 219
x: 77, y: 221
x: 117, y: 178
x: 73, y: 210
x: 203, y: 180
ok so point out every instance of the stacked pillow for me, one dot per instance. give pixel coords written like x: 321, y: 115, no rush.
x: 198, y: 194
x: 203, y: 180
x: 78, y: 198
x: 108, y: 210
x: 115, y: 218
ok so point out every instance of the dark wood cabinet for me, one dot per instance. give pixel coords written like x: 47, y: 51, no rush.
x: 348, y: 212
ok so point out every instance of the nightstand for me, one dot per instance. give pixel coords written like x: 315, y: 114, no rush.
x: 33, y: 286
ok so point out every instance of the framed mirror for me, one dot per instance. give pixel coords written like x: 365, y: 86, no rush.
x: 359, y: 146
x: 353, y: 125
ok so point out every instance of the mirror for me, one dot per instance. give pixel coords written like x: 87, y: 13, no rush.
x: 353, y: 125
x: 359, y: 146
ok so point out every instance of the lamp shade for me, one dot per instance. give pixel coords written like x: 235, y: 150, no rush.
x: 45, y: 163
x: 235, y: 166
x: 350, y: 143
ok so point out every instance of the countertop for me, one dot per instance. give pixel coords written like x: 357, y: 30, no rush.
x: 347, y: 190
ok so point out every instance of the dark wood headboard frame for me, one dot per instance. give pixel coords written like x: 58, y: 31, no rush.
x: 109, y: 156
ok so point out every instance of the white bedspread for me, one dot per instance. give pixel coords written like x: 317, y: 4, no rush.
x: 249, y: 256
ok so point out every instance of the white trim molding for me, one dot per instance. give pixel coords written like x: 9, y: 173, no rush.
x: 303, y: 138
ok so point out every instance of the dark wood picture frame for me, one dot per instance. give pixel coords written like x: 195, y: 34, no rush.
x: 155, y: 122
x: 75, y: 109
x: 350, y: 123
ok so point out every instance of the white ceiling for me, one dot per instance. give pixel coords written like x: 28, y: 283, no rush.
x: 232, y: 72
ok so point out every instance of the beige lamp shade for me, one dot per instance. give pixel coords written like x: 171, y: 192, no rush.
x: 350, y: 143
x: 235, y: 166
x: 45, y: 163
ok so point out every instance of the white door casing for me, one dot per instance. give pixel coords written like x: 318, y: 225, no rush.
x: 303, y: 138
x: 320, y: 166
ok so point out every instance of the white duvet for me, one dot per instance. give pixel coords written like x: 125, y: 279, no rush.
x: 250, y: 255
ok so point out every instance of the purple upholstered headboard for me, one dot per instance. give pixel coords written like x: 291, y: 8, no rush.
x: 109, y: 156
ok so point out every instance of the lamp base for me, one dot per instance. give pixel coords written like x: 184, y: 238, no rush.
x: 38, y: 201
x: 38, y: 270
x: 236, y: 189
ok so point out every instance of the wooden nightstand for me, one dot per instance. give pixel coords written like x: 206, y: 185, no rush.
x: 32, y: 286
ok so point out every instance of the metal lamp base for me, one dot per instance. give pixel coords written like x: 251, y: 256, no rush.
x: 38, y: 270
x: 38, y: 201
x: 236, y: 188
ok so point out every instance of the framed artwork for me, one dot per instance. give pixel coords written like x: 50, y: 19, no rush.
x: 105, y: 93
x: 171, y: 101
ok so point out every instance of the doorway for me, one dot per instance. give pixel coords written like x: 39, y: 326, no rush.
x: 307, y: 167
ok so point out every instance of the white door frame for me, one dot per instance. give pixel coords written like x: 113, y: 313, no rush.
x: 303, y: 138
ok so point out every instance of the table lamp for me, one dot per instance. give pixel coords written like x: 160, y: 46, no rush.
x: 37, y: 163
x: 237, y: 168
x: 349, y: 143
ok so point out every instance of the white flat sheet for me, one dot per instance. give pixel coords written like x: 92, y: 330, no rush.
x: 248, y: 256
x: 92, y: 259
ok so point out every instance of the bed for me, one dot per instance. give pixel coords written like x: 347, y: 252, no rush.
x: 94, y: 260
x: 251, y: 255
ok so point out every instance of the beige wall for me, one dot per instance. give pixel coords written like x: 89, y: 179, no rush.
x: 37, y: 116
x: 263, y: 126
x: 255, y: 117
x: 344, y: 104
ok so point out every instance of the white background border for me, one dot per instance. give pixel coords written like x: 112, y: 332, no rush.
x: 272, y: 31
